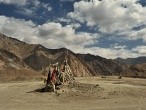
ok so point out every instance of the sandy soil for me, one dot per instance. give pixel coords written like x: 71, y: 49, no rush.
x: 90, y: 93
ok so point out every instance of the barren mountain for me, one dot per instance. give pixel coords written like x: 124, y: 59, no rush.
x: 102, y: 66
x: 18, y: 48
x: 42, y: 57
x: 14, y: 68
x: 37, y: 58
x: 9, y: 60
x: 132, y: 61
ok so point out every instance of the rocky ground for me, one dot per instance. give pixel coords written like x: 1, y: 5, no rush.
x: 88, y: 93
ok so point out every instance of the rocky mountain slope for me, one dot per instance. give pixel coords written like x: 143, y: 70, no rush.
x: 9, y: 60
x: 102, y: 66
x: 20, y: 49
x: 14, y: 68
x: 37, y: 58
x: 132, y: 61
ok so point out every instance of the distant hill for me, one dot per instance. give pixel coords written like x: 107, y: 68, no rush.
x: 36, y: 59
x: 132, y: 61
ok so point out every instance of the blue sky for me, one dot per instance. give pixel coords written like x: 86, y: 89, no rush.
x: 109, y: 28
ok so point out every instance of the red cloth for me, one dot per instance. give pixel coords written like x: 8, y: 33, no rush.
x: 53, y: 76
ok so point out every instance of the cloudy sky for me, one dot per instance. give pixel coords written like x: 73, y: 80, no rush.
x: 109, y: 28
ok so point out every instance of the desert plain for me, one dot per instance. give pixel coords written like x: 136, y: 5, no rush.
x: 85, y: 93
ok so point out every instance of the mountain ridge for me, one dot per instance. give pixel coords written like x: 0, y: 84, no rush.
x: 132, y: 61
x: 37, y: 58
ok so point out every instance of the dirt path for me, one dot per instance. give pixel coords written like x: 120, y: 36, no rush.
x: 86, y: 94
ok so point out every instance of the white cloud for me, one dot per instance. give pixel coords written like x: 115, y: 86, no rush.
x: 31, y: 12
x: 141, y: 50
x: 54, y: 35
x: 75, y: 25
x: 64, y: 20
x: 134, y: 34
x: 15, y: 2
x: 110, y: 53
x: 17, y: 28
x: 21, y: 2
x: 36, y: 2
x: 64, y: 36
x: 51, y: 34
x: 68, y: 21
x: 28, y: 7
x: 49, y: 8
x: 117, y: 46
x: 46, y: 6
x: 109, y: 15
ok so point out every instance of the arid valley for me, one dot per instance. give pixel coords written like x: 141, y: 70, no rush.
x: 86, y: 93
